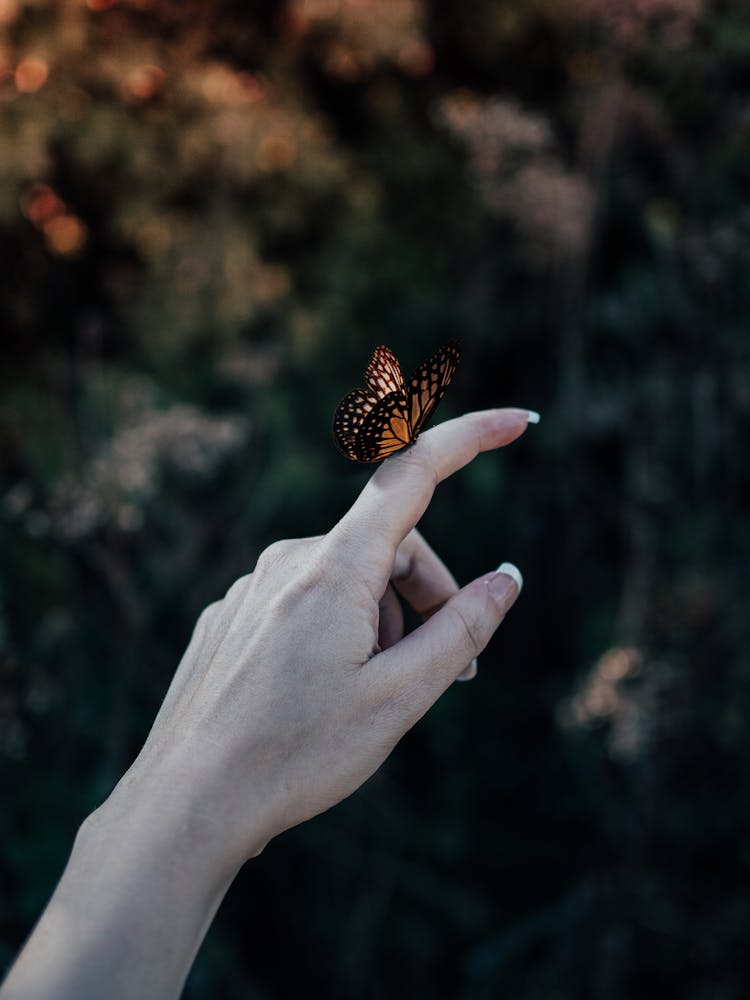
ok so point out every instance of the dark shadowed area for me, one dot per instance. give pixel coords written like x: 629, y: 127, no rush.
x: 210, y: 214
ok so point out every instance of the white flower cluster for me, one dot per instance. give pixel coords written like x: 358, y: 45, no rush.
x: 115, y: 485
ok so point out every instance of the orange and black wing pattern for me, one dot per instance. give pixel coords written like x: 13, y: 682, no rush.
x: 386, y: 429
x: 389, y: 413
x: 427, y: 384
x: 383, y: 372
x: 349, y: 417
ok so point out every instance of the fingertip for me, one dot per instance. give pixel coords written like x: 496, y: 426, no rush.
x: 510, y: 422
x: 504, y: 585
x: 502, y: 424
x: 511, y: 570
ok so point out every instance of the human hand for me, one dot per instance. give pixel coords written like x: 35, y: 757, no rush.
x: 293, y: 690
x: 297, y: 685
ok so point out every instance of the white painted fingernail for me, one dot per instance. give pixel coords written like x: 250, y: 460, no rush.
x: 513, y: 571
x: 532, y: 417
x: 470, y: 673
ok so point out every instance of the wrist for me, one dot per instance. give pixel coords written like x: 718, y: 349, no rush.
x: 146, y: 875
x: 165, y: 805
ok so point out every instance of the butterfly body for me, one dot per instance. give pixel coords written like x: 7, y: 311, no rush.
x: 389, y: 412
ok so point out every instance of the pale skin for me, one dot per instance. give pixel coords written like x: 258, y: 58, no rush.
x: 294, y: 689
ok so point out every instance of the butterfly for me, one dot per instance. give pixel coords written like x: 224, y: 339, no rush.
x: 388, y: 414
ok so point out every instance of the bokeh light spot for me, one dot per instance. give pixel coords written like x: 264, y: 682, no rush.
x: 9, y: 11
x: 65, y: 235
x: 417, y: 59
x: 272, y: 283
x: 251, y: 88
x: 39, y: 204
x: 321, y: 9
x: 31, y: 74
x: 275, y: 153
x: 146, y: 81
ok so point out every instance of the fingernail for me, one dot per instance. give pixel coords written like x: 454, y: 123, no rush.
x: 499, y: 584
x: 470, y: 673
x: 532, y: 417
x: 510, y: 570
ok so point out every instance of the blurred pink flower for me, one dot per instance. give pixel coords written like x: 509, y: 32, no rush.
x: 514, y: 164
x: 551, y: 207
x: 625, y: 21
x: 356, y: 35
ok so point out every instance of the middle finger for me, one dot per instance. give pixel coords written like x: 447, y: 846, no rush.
x: 423, y: 579
x: 421, y: 576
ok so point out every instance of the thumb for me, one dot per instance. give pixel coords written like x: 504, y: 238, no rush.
x: 412, y: 674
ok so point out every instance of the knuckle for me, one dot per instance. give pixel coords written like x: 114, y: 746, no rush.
x: 418, y: 461
x: 238, y: 588
x: 308, y: 575
x: 396, y: 710
x: 472, y: 625
x: 209, y: 612
x: 287, y: 567
x: 280, y: 550
x: 271, y: 554
x: 335, y: 553
x: 275, y: 553
x: 206, y: 620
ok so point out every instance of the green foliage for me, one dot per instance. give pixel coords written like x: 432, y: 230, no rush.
x: 209, y: 215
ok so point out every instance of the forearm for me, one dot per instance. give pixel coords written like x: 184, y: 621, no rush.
x: 142, y: 885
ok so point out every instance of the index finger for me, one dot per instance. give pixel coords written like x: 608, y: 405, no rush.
x: 398, y: 494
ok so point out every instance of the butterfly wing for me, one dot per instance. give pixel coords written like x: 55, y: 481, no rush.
x: 349, y: 416
x: 427, y: 384
x: 383, y: 373
x: 388, y: 414
x: 385, y: 429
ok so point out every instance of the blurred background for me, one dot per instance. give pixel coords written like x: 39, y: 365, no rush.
x: 210, y: 213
